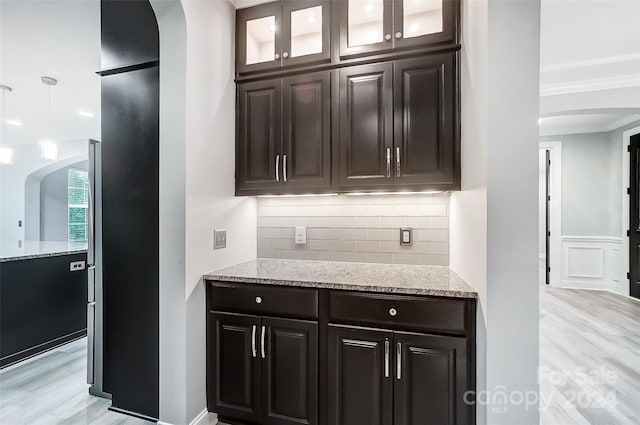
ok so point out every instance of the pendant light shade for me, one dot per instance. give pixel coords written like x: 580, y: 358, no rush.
x: 48, y: 147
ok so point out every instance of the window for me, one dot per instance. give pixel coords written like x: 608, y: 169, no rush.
x: 78, y: 200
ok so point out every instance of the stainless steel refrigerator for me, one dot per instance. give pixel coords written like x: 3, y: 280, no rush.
x: 95, y: 305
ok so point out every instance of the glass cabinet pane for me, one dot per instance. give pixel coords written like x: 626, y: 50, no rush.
x: 261, y: 40
x: 366, y: 22
x: 306, y: 31
x: 421, y: 17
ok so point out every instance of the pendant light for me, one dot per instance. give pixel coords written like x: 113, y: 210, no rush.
x: 6, y: 154
x: 48, y: 148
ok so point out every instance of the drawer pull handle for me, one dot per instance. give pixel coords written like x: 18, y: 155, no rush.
x: 393, y: 311
x: 253, y: 341
x: 258, y: 300
x: 399, y: 361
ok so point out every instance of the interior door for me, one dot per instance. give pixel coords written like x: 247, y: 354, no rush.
x: 306, y: 161
x: 288, y: 349
x: 430, y: 380
x: 360, y: 376
x: 259, y: 135
x: 236, y: 361
x: 424, y: 125
x: 306, y: 29
x: 366, y: 125
x: 425, y: 22
x: 634, y: 217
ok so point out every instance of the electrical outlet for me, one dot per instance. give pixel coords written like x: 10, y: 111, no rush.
x: 76, y: 266
x: 301, y: 235
x: 219, y: 238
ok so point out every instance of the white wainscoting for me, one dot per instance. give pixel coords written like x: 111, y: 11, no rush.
x: 593, y: 262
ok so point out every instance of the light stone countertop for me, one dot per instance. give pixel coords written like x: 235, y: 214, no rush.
x: 12, y: 251
x: 368, y: 277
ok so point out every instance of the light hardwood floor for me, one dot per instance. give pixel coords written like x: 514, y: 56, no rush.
x: 589, y: 358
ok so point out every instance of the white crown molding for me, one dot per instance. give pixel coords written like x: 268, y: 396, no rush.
x: 241, y: 4
x: 583, y: 129
x: 622, y: 81
x: 591, y: 62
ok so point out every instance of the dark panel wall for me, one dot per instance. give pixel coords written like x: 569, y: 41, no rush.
x: 130, y: 186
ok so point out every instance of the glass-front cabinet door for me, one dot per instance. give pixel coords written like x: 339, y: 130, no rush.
x: 259, y: 38
x: 365, y: 26
x: 425, y: 22
x: 306, y: 27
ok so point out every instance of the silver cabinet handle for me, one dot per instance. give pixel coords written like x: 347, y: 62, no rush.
x: 285, y: 55
x: 387, y: 37
x: 398, y: 34
x: 397, y: 161
x: 262, y: 348
x: 277, y: 56
x: 284, y: 167
x: 386, y: 358
x: 399, y: 361
x: 254, y: 352
x: 388, y: 162
x: 277, y: 167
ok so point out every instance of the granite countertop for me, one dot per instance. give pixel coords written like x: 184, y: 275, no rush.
x: 369, y: 277
x: 11, y: 251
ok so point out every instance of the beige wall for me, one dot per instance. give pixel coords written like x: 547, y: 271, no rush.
x: 356, y: 228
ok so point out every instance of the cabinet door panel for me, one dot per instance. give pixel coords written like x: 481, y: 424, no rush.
x: 307, y: 131
x: 289, y: 372
x: 432, y: 379
x: 306, y: 28
x: 365, y: 138
x: 259, y: 141
x: 360, y: 382
x: 259, y: 37
x: 425, y: 22
x: 234, y: 391
x: 366, y: 26
x: 425, y: 146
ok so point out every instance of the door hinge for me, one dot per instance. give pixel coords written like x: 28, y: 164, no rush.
x: 549, y: 269
x: 629, y: 148
x: 628, y: 233
x: 628, y: 191
x: 628, y: 276
x: 549, y: 234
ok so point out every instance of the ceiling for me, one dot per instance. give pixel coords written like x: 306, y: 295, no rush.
x: 589, y: 65
x: 60, y: 39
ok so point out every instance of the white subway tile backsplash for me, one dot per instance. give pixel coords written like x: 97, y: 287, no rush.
x: 356, y: 228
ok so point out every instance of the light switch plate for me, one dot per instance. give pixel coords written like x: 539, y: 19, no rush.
x: 219, y: 238
x: 77, y: 266
x: 406, y: 236
x: 301, y: 235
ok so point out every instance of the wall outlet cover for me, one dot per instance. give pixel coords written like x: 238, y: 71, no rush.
x: 406, y: 236
x: 301, y: 235
x: 219, y: 238
x: 77, y: 266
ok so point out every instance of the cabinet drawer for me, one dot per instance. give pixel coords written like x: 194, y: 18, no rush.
x: 394, y: 311
x: 263, y: 300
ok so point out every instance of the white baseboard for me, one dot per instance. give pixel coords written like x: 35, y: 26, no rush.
x: 203, y: 418
x: 592, y: 262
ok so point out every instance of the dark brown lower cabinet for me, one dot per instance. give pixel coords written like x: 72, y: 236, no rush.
x: 263, y: 370
x: 384, y: 377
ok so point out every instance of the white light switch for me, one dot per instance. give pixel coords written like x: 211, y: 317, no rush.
x: 301, y: 235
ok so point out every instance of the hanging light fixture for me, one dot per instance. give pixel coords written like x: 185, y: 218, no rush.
x: 6, y: 154
x: 48, y: 148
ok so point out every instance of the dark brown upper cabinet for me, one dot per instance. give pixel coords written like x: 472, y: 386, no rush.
x: 284, y: 135
x: 283, y: 34
x: 368, y: 26
x: 366, y: 126
x: 398, y: 125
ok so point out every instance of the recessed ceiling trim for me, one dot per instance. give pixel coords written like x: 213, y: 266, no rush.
x: 623, y: 81
x: 591, y: 62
